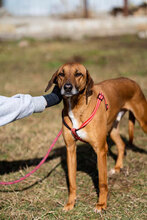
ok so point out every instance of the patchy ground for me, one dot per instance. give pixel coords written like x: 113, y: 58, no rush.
x: 25, y: 67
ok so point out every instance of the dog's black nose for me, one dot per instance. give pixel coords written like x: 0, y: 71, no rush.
x: 68, y: 87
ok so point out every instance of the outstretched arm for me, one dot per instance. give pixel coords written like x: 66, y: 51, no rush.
x: 20, y: 105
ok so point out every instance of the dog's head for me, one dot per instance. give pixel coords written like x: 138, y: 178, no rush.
x: 72, y: 79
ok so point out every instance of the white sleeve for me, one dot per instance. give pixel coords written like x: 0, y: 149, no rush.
x: 19, y: 106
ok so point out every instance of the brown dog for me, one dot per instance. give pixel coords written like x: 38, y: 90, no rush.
x: 80, y: 97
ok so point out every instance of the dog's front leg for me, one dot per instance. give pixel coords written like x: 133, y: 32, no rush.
x: 101, y: 150
x: 72, y: 167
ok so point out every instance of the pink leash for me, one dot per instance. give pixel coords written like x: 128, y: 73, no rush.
x: 73, y: 130
x: 38, y: 166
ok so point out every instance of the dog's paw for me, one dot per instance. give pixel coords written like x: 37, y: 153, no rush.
x: 114, y: 171
x: 111, y: 172
x: 69, y: 206
x: 99, y: 208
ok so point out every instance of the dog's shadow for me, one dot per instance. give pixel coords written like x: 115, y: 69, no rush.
x: 86, y: 162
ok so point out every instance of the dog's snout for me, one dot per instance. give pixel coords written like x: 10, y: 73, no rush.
x: 68, y: 87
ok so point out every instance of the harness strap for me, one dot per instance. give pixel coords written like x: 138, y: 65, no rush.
x: 73, y: 130
x: 100, y: 98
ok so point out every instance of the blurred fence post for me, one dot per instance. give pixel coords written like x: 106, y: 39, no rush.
x: 86, y: 9
x: 126, y: 8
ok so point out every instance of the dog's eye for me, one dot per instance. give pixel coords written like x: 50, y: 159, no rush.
x: 61, y: 74
x: 78, y: 74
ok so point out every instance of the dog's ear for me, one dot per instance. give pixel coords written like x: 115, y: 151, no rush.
x: 89, y: 85
x: 52, y: 81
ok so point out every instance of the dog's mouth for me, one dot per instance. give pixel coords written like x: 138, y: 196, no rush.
x: 67, y: 94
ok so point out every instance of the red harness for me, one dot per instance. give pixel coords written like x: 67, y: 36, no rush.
x: 100, y: 98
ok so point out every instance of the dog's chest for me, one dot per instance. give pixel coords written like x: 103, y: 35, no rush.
x: 82, y: 134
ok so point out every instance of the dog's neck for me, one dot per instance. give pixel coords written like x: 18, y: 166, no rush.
x: 76, y: 102
x: 71, y: 114
x: 75, y: 107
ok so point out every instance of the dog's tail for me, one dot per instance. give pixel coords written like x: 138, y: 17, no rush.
x: 131, y: 127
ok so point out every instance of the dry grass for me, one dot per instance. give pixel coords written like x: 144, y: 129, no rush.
x: 24, y: 143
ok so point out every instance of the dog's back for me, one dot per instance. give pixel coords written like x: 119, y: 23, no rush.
x: 123, y: 93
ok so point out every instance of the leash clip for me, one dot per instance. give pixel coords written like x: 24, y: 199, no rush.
x: 75, y: 135
x: 73, y: 131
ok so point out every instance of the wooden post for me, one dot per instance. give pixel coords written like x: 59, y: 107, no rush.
x: 0, y: 3
x: 126, y: 8
x: 85, y: 8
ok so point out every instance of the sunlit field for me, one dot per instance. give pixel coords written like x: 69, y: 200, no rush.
x: 26, y: 68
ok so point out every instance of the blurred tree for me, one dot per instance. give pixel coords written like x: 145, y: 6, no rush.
x: 85, y: 3
x: 126, y: 8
